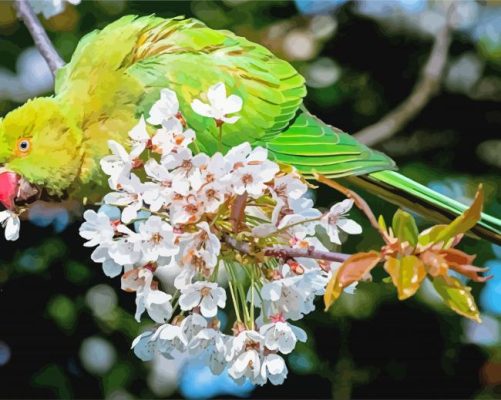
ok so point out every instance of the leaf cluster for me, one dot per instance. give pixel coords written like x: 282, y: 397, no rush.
x: 409, y: 257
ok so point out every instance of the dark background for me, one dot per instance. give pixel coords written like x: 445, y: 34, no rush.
x: 361, y: 60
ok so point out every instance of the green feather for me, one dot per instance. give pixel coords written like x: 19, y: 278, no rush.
x: 313, y: 146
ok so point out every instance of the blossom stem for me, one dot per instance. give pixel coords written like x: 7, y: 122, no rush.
x: 258, y: 290
x: 232, y: 291
x: 241, y: 293
x: 176, y: 303
x: 252, y: 302
x: 220, y: 144
x: 284, y: 228
x: 37, y: 31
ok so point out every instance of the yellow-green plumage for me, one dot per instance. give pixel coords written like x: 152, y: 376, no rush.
x: 114, y: 77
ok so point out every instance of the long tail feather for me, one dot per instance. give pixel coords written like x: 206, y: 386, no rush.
x: 315, y: 147
x: 405, y: 192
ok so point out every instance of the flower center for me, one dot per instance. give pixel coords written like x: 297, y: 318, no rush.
x: 247, y: 179
x: 186, y: 164
x: 333, y: 219
x: 156, y: 238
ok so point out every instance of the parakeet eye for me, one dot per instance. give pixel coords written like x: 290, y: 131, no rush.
x: 23, y: 146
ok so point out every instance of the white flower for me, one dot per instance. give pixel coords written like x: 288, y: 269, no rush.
x: 206, y: 295
x: 237, y: 155
x: 192, y: 324
x: 219, y: 105
x: 209, y: 344
x: 161, y: 194
x: 154, y: 301
x: 164, y: 108
x: 212, y: 196
x: 273, y: 368
x: 289, y: 186
x: 50, y: 8
x: 301, y: 219
x: 336, y: 219
x: 192, y: 260
x: 185, y: 166
x: 130, y: 196
x: 140, y: 137
x: 158, y: 305
x: 287, y: 296
x: 11, y: 224
x: 282, y: 336
x: 97, y: 228
x: 144, y: 348
x: 120, y: 163
x: 188, y: 209
x: 252, y: 178
x: 171, y: 136
x: 244, y: 356
x: 170, y: 339
x: 206, y: 241
x: 157, y: 239
x: 110, y: 267
x: 126, y: 250
x: 254, y: 173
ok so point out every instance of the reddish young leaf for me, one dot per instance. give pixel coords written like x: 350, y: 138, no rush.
x: 352, y: 270
x: 435, y: 264
x: 456, y: 257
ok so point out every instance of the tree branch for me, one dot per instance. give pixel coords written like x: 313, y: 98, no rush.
x: 310, y: 252
x: 287, y: 252
x: 426, y: 87
x: 37, y: 31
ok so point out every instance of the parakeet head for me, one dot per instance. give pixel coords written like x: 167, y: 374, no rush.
x: 40, y: 150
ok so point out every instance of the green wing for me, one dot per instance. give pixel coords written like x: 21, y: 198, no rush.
x: 313, y: 146
x: 188, y: 57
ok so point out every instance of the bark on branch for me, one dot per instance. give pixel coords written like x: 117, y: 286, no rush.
x: 287, y: 252
x: 37, y: 31
x: 426, y: 87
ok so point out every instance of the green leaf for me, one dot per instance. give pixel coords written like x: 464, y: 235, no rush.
x: 382, y: 223
x: 404, y: 227
x: 465, y: 221
x: 430, y: 235
x: 407, y: 274
x: 457, y: 296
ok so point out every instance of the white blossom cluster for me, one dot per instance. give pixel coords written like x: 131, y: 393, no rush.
x: 172, y: 207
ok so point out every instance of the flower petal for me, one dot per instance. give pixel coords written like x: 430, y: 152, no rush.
x: 233, y: 104
x: 349, y: 226
x: 201, y: 108
x: 217, y: 95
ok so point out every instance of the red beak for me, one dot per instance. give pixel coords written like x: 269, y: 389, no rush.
x: 9, y: 184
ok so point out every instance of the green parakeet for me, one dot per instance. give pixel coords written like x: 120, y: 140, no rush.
x: 55, y: 143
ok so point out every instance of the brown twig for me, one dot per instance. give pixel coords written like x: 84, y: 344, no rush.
x: 287, y: 252
x: 37, y: 31
x: 426, y: 87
